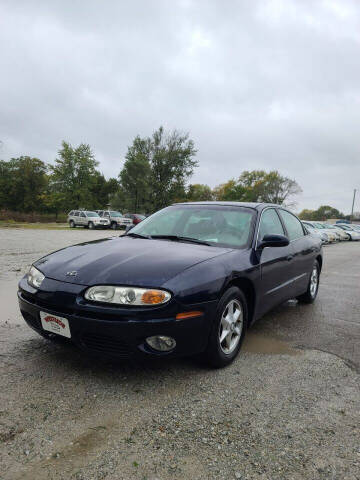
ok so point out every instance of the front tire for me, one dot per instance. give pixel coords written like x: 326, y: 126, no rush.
x: 228, y: 329
x: 113, y: 226
x: 313, y: 287
x: 91, y: 226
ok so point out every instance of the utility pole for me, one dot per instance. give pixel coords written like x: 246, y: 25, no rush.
x: 352, y: 208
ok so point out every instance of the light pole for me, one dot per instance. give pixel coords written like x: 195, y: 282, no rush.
x: 352, y: 208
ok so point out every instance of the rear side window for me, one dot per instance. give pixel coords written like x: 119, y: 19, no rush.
x: 76, y: 214
x: 292, y: 225
x: 270, y: 224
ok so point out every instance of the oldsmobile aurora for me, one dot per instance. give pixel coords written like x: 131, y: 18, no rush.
x: 189, y: 279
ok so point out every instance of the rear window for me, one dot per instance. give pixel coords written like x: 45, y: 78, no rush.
x: 91, y: 214
x: 292, y: 224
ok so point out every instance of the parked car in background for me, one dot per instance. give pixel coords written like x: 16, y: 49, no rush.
x: 332, y: 235
x: 317, y: 233
x: 354, y: 234
x: 87, y: 219
x: 190, y: 279
x: 342, y: 234
x: 135, y: 217
x: 116, y: 218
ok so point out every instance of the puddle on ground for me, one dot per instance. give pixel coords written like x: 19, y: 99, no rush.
x: 256, y: 343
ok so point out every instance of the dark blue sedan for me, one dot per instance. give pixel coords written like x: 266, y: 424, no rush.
x: 189, y: 279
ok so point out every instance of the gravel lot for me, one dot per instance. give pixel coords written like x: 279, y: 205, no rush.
x: 287, y: 408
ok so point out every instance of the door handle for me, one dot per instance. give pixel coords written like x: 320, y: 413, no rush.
x: 289, y: 258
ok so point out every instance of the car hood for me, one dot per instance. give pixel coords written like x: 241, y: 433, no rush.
x: 125, y: 261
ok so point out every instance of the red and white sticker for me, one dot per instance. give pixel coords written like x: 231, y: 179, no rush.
x: 55, y: 324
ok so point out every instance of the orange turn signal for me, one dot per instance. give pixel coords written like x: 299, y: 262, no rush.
x: 183, y: 315
x: 153, y: 297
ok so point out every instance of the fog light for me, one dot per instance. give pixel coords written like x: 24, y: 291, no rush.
x: 161, y: 343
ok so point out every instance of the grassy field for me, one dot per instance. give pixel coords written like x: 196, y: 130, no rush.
x: 34, y: 226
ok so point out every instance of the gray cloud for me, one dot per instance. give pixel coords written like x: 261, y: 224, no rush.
x: 263, y: 84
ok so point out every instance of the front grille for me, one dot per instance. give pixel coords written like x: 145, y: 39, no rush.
x: 106, y: 344
x: 47, y: 305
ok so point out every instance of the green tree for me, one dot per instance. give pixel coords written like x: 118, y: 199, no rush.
x: 259, y: 186
x: 325, y: 212
x: 101, y: 190
x: 198, y: 192
x: 229, y: 191
x: 23, y: 181
x: 172, y: 164
x: 156, y: 171
x: 73, y: 176
x: 306, y: 214
x: 135, y: 177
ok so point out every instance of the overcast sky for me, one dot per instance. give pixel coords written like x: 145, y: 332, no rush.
x: 258, y: 84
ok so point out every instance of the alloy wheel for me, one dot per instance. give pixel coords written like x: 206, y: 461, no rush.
x: 314, y: 280
x: 231, y: 326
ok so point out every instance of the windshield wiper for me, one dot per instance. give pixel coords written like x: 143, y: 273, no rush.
x: 136, y: 235
x: 178, y: 238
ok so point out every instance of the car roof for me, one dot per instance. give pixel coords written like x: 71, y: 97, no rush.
x: 253, y: 205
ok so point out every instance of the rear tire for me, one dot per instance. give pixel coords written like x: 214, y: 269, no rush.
x: 313, y: 287
x: 91, y: 225
x: 228, y: 329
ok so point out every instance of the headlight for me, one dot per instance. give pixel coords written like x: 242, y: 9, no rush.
x: 127, y: 295
x: 35, y: 277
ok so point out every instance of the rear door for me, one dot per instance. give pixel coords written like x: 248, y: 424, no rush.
x: 82, y: 218
x: 303, y: 249
x: 275, y: 263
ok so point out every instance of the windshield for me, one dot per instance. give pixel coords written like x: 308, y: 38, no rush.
x: 216, y: 225
x: 115, y: 214
x: 91, y: 214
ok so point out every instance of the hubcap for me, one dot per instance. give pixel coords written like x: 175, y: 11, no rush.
x: 314, y: 279
x: 231, y: 326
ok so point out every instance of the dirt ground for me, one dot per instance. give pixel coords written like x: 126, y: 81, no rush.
x: 287, y: 408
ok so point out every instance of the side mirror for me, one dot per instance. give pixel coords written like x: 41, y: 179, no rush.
x: 273, y: 241
x: 128, y: 228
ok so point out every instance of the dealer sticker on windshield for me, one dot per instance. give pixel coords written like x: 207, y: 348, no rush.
x: 55, y: 324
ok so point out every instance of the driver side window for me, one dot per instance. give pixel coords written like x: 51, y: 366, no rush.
x: 270, y: 224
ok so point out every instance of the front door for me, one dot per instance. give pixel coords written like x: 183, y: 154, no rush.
x: 276, y: 264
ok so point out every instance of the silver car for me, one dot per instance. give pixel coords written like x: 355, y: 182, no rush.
x: 352, y: 232
x: 86, y: 219
x: 318, y: 233
x: 115, y: 218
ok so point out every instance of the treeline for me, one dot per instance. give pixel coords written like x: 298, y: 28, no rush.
x: 156, y: 173
x: 325, y: 212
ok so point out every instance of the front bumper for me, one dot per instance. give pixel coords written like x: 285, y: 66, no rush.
x: 101, y: 333
x: 101, y: 224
